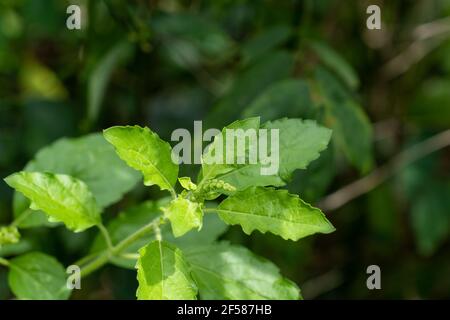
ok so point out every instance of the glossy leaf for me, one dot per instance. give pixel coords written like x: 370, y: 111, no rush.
x: 214, y: 159
x: 163, y: 274
x: 144, y: 151
x: 90, y: 159
x: 300, y: 142
x: 223, y: 271
x: 187, y: 183
x: 275, y: 211
x: 183, y: 215
x: 62, y: 197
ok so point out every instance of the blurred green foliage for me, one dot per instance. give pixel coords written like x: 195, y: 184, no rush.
x: 167, y: 63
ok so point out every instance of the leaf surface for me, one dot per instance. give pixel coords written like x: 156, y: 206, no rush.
x: 62, y: 197
x: 143, y: 150
x: 163, y: 273
x: 37, y: 276
x: 90, y: 159
x: 275, y: 211
x: 223, y: 271
x: 183, y: 215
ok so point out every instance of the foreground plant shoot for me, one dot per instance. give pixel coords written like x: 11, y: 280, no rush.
x: 172, y: 242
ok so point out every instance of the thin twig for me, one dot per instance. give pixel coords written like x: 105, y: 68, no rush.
x: 427, y: 37
x: 355, y: 189
x: 324, y: 283
x: 103, y: 257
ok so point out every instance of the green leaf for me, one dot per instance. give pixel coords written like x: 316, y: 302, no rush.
x: 275, y: 211
x: 163, y: 273
x: 144, y: 151
x: 101, y: 74
x: 39, y: 82
x: 37, y: 276
x: 90, y: 159
x: 286, y: 98
x: 249, y: 84
x: 223, y: 271
x: 187, y: 183
x: 429, y: 202
x: 136, y: 217
x: 430, y: 218
x: 352, y: 130
x: 264, y: 42
x: 335, y: 62
x: 431, y: 104
x: 190, y: 40
x: 217, y: 149
x: 300, y: 142
x: 62, y: 197
x: 183, y: 215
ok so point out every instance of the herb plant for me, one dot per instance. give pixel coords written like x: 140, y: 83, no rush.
x: 172, y: 241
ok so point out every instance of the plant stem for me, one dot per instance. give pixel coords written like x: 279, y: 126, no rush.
x: 173, y: 193
x: 21, y: 217
x: 86, y: 259
x: 103, y: 257
x: 157, y: 232
x: 359, y: 187
x: 130, y: 256
x: 105, y: 234
x: 98, y: 262
x: 4, y: 262
x: 122, y: 245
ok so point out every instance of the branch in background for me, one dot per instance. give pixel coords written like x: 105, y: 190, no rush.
x: 342, y: 196
x: 324, y: 283
x: 427, y: 36
x: 432, y: 29
x: 415, y: 52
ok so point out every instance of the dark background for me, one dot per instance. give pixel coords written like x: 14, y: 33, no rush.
x: 164, y: 64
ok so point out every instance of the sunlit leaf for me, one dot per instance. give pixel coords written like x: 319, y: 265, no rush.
x: 163, y: 273
x: 275, y: 211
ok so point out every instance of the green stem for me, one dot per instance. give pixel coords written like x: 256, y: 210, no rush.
x: 100, y: 261
x: 130, y: 256
x: 21, y: 217
x: 103, y: 257
x: 86, y: 259
x: 125, y: 243
x: 157, y: 232
x: 4, y: 262
x: 173, y: 193
x: 105, y: 234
